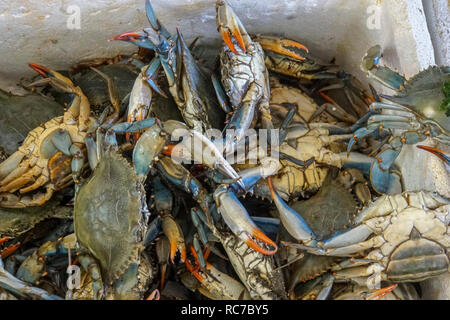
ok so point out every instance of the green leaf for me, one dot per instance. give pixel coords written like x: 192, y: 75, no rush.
x: 445, y: 106
x: 446, y: 89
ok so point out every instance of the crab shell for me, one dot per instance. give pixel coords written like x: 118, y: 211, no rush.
x: 108, y: 215
x: 423, y: 93
x: 280, y: 94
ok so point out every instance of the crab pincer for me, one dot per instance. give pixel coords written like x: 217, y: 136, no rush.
x: 231, y: 28
x: 292, y: 221
x: 175, y: 236
x: 286, y: 47
x: 381, y: 293
x: 138, y: 37
x: 239, y: 221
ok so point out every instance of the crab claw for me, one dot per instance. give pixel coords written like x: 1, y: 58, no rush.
x: 139, y: 38
x: 4, y: 239
x: 54, y: 78
x: 173, y: 232
x: 153, y: 20
x: 240, y: 223
x: 437, y: 152
x: 131, y: 36
x: 10, y: 250
x: 43, y: 71
x: 230, y: 27
x: 292, y: 221
x: 194, y: 269
x: 286, y: 47
x: 381, y: 293
x: 137, y: 115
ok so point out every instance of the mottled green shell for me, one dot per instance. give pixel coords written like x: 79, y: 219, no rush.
x: 14, y: 222
x: 310, y: 267
x: 21, y: 114
x: 107, y: 215
x: 329, y: 210
x: 425, y: 94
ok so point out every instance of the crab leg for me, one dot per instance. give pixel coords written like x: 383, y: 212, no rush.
x: 182, y: 178
x: 336, y: 110
x: 90, y: 265
x: 213, y: 158
x: 381, y: 293
x: 384, y: 75
x: 219, y: 284
x: 9, y: 282
x: 437, y: 152
x: 80, y: 109
x: 154, y: 22
x: 163, y: 252
x: 149, y: 145
x: 231, y: 28
x: 10, y: 164
x: 113, y: 96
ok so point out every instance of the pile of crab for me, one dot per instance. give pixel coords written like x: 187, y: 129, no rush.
x: 103, y: 199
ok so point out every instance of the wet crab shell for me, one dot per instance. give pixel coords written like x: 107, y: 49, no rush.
x: 108, y: 217
x: 424, y: 93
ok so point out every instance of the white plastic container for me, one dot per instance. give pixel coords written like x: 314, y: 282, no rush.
x: 61, y: 33
x: 412, y: 33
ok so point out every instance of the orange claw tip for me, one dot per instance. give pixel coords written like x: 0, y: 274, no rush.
x: 43, y: 71
x: 437, y: 152
x: 206, y: 253
x: 295, y: 44
x: 381, y: 293
x: 285, y: 47
x: 237, y: 34
x: 259, y: 235
x: 327, y: 98
x: 227, y: 39
x: 168, y: 149
x: 4, y: 239
x: 173, y: 250
x: 194, y: 271
x: 126, y: 36
x: 9, y: 251
x: 183, y: 254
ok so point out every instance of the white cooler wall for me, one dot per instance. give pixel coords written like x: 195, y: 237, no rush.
x: 37, y: 30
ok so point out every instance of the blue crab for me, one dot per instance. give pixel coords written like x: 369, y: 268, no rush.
x: 53, y: 154
x: 421, y: 106
x: 191, y: 89
x: 397, y: 238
